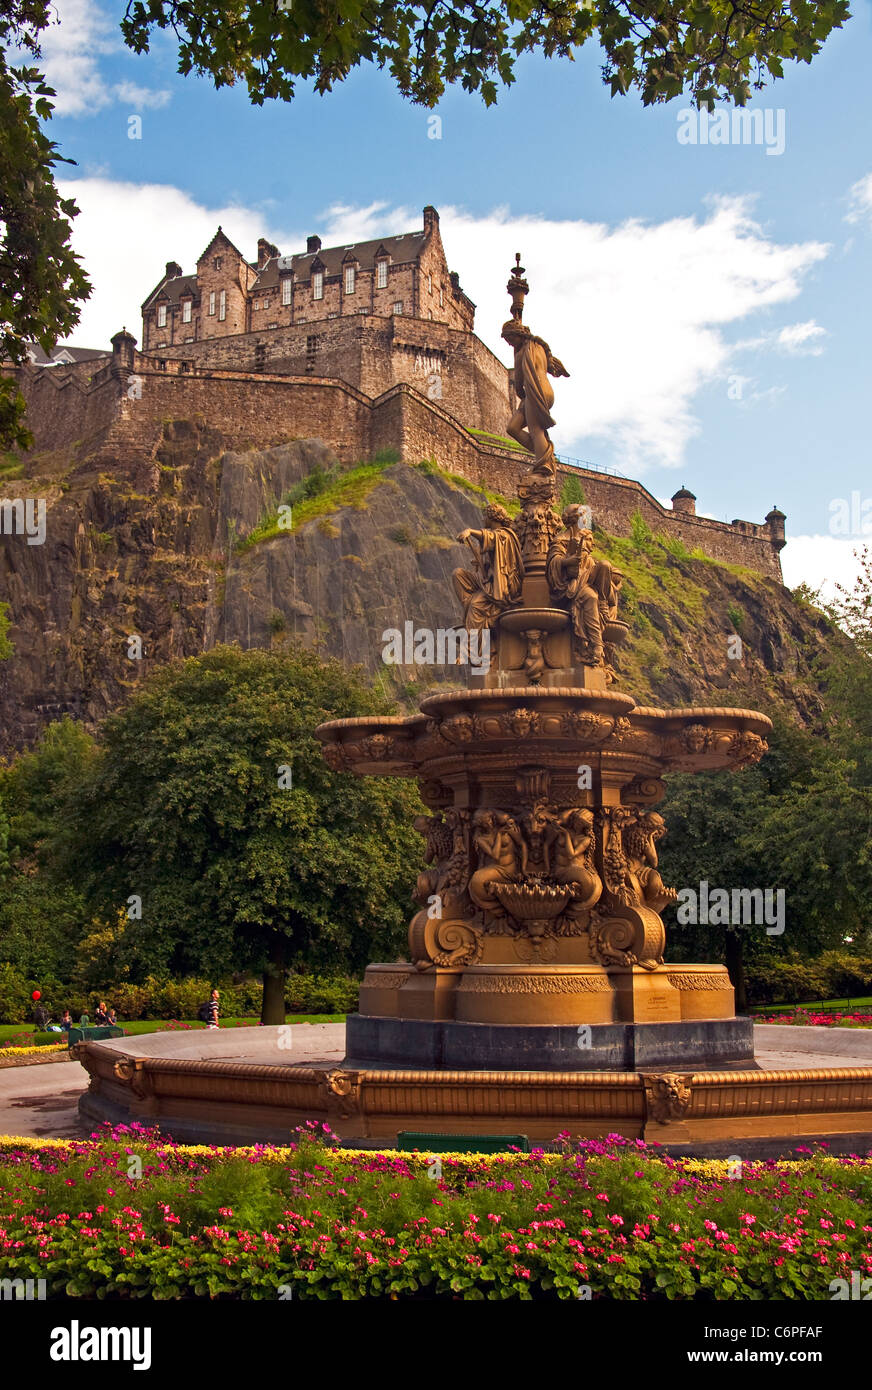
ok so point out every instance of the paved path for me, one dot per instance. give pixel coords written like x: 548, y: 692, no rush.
x: 42, y: 1100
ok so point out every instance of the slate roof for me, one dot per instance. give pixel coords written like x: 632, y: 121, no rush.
x: 400, y: 250
x: 39, y: 358
x: 174, y: 289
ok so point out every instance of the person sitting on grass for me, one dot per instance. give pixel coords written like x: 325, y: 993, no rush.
x: 101, y: 1015
x: 112, y: 1017
x: 66, y: 1021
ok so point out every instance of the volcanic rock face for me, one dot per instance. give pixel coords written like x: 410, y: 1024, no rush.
x: 155, y: 548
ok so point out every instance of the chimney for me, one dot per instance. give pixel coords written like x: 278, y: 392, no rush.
x: 313, y: 244
x: 431, y: 220
x: 775, y: 521
x: 265, y: 251
x: 684, y: 501
x: 173, y: 270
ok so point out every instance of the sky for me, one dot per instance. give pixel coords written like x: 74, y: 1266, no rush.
x: 709, y: 297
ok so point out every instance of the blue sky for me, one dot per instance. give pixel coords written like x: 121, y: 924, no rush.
x: 711, y: 302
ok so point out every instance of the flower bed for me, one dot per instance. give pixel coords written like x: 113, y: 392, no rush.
x: 131, y: 1215
x: 15, y: 1051
x: 818, y: 1019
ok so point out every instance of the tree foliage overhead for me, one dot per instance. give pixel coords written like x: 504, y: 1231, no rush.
x: 41, y: 278
x: 709, y: 50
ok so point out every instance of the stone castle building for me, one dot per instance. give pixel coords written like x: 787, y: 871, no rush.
x: 368, y: 347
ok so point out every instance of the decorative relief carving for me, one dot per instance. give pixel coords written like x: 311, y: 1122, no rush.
x: 687, y: 979
x: 386, y: 979
x: 667, y: 1095
x: 340, y: 1090
x: 552, y: 983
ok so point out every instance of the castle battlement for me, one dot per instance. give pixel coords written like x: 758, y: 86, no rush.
x: 119, y: 405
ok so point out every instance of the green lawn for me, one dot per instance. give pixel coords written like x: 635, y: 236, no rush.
x: 157, y: 1025
x: 840, y: 1005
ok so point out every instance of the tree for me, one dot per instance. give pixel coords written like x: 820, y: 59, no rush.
x: 41, y: 279
x: 709, y: 50
x: 210, y: 804
x: 801, y: 820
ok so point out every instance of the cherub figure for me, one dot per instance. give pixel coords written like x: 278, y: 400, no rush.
x: 502, y: 856
x: 569, y: 846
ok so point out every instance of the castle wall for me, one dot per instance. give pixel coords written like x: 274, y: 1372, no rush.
x: 372, y: 353
x: 127, y: 413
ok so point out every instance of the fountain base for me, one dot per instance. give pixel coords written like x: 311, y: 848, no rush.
x: 447, y: 1043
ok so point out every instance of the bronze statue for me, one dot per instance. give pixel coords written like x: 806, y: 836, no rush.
x: 534, y: 363
x: 641, y: 834
x: 588, y: 584
x: 494, y: 582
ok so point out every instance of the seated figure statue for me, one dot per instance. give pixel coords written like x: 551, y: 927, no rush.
x: 587, y: 583
x: 494, y: 582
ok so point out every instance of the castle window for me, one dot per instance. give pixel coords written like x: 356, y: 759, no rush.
x: 211, y: 301
x: 398, y: 307
x: 311, y: 344
x: 189, y: 340
x: 186, y: 311
x: 161, y: 316
x: 286, y: 289
x: 441, y: 297
x: 222, y: 305
x: 429, y: 284
x: 381, y: 278
x: 216, y: 263
x: 257, y: 304
x: 349, y: 279
x: 318, y: 284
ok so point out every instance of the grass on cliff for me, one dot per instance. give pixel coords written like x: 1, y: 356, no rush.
x: 461, y: 484
x: 317, y: 496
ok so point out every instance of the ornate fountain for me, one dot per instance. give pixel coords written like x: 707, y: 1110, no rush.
x: 540, y: 909
x: 535, y: 998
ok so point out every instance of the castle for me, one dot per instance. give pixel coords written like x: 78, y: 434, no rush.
x: 369, y: 347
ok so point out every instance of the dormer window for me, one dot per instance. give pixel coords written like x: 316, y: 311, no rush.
x: 381, y: 275
x: 161, y: 316
x: 186, y: 311
x: 317, y: 284
x: 349, y: 279
x: 287, y: 287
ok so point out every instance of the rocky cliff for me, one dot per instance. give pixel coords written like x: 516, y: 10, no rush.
x: 188, y: 547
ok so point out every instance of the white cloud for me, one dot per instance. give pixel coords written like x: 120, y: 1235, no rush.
x: 72, y: 49
x: 800, y: 339
x: 639, y: 313
x: 860, y: 195
x: 126, y: 233
x: 821, y: 562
